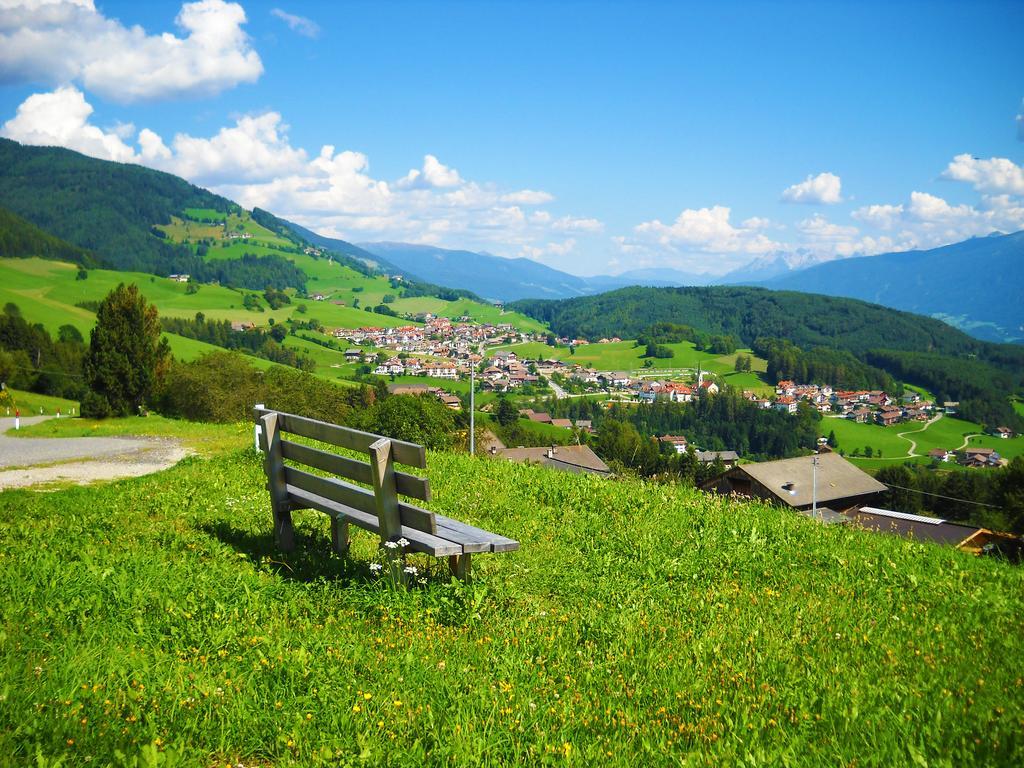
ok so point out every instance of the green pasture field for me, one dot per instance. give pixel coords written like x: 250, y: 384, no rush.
x: 46, y: 292
x: 186, y: 231
x: 152, y: 622
x: 29, y: 403
x: 456, y: 387
x: 625, y: 356
x: 1018, y: 406
x: 948, y: 432
x: 205, y: 213
x: 236, y: 249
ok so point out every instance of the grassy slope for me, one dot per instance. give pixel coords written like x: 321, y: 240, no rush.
x: 948, y: 432
x: 624, y: 356
x: 29, y: 403
x: 47, y: 291
x: 638, y: 625
x: 341, y: 283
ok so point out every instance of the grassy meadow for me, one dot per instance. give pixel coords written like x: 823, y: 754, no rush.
x: 948, y: 432
x: 29, y: 403
x: 626, y: 356
x: 152, y: 622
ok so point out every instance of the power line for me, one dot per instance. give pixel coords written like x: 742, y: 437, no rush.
x: 940, y: 496
x: 43, y: 370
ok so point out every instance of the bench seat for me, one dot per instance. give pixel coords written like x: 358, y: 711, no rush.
x: 378, y: 510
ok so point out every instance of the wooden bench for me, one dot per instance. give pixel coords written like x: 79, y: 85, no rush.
x: 378, y: 510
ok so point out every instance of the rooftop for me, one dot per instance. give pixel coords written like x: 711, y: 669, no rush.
x: 837, y: 479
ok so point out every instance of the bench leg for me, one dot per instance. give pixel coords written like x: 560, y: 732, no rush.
x: 339, y: 535
x: 460, y: 566
x: 284, y: 533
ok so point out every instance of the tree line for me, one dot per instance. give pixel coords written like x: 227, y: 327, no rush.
x: 992, y: 498
x: 832, y: 333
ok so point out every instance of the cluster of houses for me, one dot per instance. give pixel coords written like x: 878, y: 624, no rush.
x: 413, y: 366
x: 863, y: 406
x: 456, y: 343
x: 969, y: 457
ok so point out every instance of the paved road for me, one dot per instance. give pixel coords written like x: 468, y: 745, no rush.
x: 32, y: 451
x: 34, y: 461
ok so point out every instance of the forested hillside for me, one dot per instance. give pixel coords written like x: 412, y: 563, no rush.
x: 916, y: 349
x: 942, y: 282
x: 20, y: 238
x: 106, y: 208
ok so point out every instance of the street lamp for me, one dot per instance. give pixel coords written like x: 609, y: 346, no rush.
x: 790, y: 487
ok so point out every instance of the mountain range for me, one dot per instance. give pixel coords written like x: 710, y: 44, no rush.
x: 976, y: 285
x: 501, y: 279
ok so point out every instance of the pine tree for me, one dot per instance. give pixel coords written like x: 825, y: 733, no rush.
x: 127, y: 357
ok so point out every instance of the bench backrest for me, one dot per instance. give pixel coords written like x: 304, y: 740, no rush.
x: 379, y: 472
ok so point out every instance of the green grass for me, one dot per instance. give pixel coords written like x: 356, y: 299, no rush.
x: 29, y: 403
x: 457, y: 387
x: 1018, y: 406
x: 638, y: 625
x: 948, y: 432
x: 205, y: 213
x: 625, y: 356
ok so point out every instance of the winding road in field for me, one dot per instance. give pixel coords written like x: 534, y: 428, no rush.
x: 28, y: 461
x: 912, y: 450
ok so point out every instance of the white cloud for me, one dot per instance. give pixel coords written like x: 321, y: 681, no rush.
x: 61, y: 118
x: 997, y: 174
x: 255, y: 148
x: 570, y: 224
x: 528, y: 197
x: 433, y: 175
x: 819, y: 228
x: 823, y: 188
x: 881, y: 216
x: 63, y: 41
x: 928, y: 221
x: 253, y: 162
x: 300, y: 24
x: 707, y: 230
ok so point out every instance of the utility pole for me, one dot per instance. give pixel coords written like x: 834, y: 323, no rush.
x: 814, y: 487
x: 472, y: 412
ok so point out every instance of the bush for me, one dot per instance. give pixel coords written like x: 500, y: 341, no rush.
x: 224, y: 386
x: 95, y: 406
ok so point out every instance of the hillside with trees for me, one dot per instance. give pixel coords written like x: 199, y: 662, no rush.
x: 106, y: 208
x: 858, y: 339
x: 20, y: 238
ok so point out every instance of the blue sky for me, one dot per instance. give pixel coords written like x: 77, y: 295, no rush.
x: 594, y: 137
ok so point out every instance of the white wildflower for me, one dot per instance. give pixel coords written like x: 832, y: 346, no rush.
x: 374, y: 567
x: 410, y: 569
x: 403, y: 542
x: 391, y: 544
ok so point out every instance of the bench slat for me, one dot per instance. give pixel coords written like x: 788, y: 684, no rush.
x: 418, y: 540
x: 358, y: 498
x: 450, y: 528
x: 409, y: 454
x: 407, y: 485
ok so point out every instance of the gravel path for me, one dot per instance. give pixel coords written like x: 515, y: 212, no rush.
x: 79, y: 459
